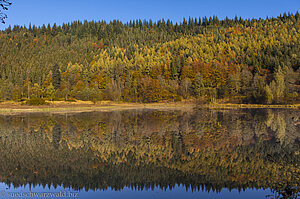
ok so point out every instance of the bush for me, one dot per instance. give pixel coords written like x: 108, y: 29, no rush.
x: 89, y: 94
x: 36, y: 101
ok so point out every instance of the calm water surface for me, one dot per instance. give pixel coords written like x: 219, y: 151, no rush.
x: 248, y: 153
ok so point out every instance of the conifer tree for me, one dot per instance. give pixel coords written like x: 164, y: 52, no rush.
x: 56, y: 77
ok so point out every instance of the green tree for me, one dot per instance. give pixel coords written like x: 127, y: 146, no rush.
x: 198, y: 86
x: 268, y: 95
x: 258, y: 92
x: 5, y: 89
x: 56, y: 77
x: 278, y: 85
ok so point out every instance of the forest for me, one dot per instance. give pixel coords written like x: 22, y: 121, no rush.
x: 201, y: 59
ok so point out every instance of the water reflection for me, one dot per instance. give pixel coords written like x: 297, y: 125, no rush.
x: 206, y: 150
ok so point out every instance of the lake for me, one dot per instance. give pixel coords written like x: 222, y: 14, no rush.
x: 201, y: 153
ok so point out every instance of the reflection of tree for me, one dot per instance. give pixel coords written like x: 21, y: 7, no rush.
x: 151, y: 149
x: 177, y: 144
x: 56, y: 135
x: 286, y: 192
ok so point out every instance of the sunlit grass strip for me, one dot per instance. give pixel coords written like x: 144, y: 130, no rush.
x: 250, y: 106
x: 112, y: 107
x: 128, y: 106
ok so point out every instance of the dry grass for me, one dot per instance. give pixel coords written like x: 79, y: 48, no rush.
x: 11, y: 107
x: 229, y: 105
x: 85, y: 106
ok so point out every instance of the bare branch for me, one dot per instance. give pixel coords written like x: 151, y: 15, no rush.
x: 4, y: 4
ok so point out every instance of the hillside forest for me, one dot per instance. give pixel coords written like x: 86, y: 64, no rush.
x: 203, y: 59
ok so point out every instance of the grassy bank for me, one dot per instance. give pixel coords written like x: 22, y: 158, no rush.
x: 229, y: 106
x: 11, y: 107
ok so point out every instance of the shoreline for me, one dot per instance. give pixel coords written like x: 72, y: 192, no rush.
x: 80, y: 106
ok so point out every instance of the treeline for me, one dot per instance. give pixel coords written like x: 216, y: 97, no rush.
x: 238, y: 60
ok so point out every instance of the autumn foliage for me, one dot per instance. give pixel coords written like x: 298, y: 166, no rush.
x: 242, y: 61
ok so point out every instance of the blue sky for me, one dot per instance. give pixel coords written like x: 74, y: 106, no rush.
x: 39, y: 12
